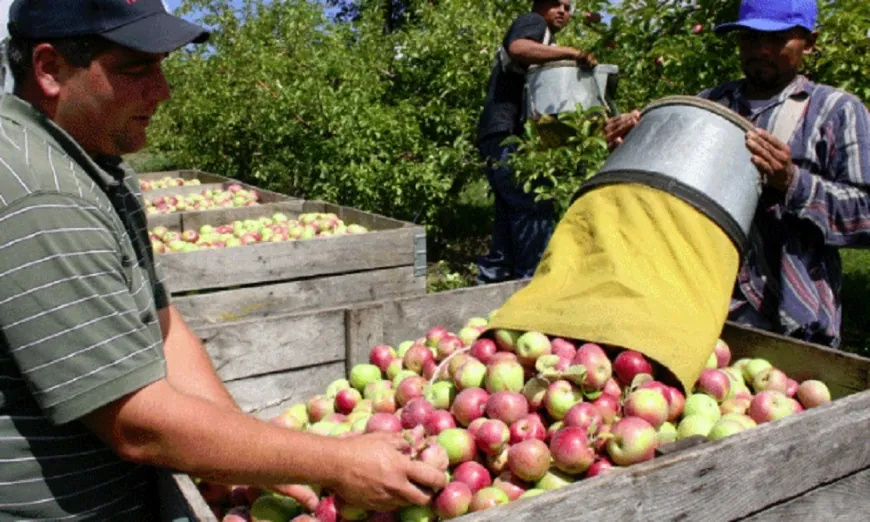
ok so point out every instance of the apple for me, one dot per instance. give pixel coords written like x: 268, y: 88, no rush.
x: 382, y: 355
x: 534, y: 492
x: 504, y: 375
x: 439, y: 421
x: 399, y: 377
x: 598, y: 369
x: 796, y: 406
x: 612, y: 388
x: 742, y: 418
x: 584, y: 415
x: 667, y: 432
x: 470, y: 375
x: 473, y: 474
x: 269, y: 508
x: 529, y: 427
x: 529, y: 460
x: 560, y: 397
x: 434, y: 335
x: 492, y: 436
x: 417, y: 513
x: 507, y: 407
x: 459, y: 445
x: 564, y: 349
x: 770, y: 405
x: 571, y: 450
x: 483, y: 349
x: 723, y: 354
x: 384, y: 401
x: 455, y: 363
x: 434, y: 455
x: 502, y: 356
x: 753, y: 367
x: 319, y: 407
x: 601, y: 466
x: 530, y: 346
x: 649, y: 405
x: 633, y: 440
x: 447, y: 346
x: 335, y: 386
x: 791, y: 388
x: 497, y: 463
x: 441, y: 394
x: 453, y: 501
x: 403, y: 348
x: 714, y: 383
x: 410, y: 389
x: 384, y: 422
x: 506, y: 340
x: 346, y: 400
x: 416, y: 413
x: 608, y: 406
x: 725, y: 428
x: 430, y: 367
x: 416, y: 357
x: 702, y: 404
x: 554, y: 479
x: 735, y: 405
x: 469, y: 405
x: 374, y: 388
x: 629, y: 364
x: 363, y: 374
x: 511, y: 485
x: 468, y: 335
x: 770, y: 379
x: 695, y: 424
x: 487, y: 498
x: 812, y: 393
x: 697, y: 29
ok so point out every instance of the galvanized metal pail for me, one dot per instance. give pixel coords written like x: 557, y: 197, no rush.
x: 558, y: 87
x: 696, y: 150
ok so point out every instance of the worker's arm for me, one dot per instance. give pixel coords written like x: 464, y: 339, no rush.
x: 838, y: 203
x: 161, y: 426
x: 530, y: 52
x: 188, y: 366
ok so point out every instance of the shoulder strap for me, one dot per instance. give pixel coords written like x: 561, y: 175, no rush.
x: 786, y: 121
x: 548, y: 36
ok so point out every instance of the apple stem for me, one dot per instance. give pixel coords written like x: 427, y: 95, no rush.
x: 446, y: 360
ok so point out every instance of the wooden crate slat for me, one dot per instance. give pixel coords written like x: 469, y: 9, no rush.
x: 180, y: 501
x: 205, y: 177
x: 297, y: 296
x: 268, y: 395
x: 844, y: 500
x: 844, y: 373
x: 184, y: 190
x: 223, y: 267
x: 250, y: 348
x: 722, y: 480
x: 225, y: 216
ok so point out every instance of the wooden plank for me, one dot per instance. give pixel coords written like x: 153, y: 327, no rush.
x: 722, y: 480
x: 842, y: 500
x: 410, y: 318
x: 257, y: 347
x: 204, y: 177
x: 364, y: 329
x: 180, y: 500
x: 225, y: 216
x: 170, y: 221
x: 844, y: 373
x: 269, y: 395
x: 299, y: 296
x: 367, y: 219
x: 186, y: 190
x: 258, y: 263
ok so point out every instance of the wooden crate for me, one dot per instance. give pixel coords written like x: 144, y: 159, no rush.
x: 811, y: 466
x: 267, y: 279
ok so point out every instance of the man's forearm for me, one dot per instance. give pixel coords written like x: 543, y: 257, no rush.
x: 188, y: 365
x: 530, y: 52
x: 163, y: 427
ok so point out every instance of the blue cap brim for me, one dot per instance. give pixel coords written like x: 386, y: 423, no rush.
x: 158, y: 33
x: 757, y: 24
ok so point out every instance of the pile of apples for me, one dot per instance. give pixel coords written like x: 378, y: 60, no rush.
x: 233, y: 196
x: 514, y: 414
x: 166, y: 182
x: 275, y: 229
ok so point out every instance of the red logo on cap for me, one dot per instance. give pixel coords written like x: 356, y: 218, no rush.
x: 131, y: 2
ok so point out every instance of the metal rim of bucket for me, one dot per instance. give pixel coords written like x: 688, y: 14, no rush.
x: 602, y: 67
x: 701, y: 103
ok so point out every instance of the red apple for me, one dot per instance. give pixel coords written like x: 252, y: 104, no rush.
x: 381, y: 356
x: 612, y: 388
x: 585, y: 416
x: 723, y: 354
x: 608, y: 406
x: 469, y: 404
x: 385, y: 422
x: 447, y: 346
x: 571, y: 450
x: 410, y: 388
x: 434, y: 335
x: 598, y: 367
x: 346, y: 400
x: 492, y: 436
x: 771, y: 379
x: 697, y: 29
x: 434, y: 455
x: 791, y: 388
x: 511, y: 485
x: 487, y: 498
x: 507, y: 407
x: 629, y: 364
x: 453, y: 501
x: 416, y: 357
x: 634, y: 440
x: 714, y: 383
x: 438, y: 421
x: 769, y: 406
x: 416, y: 413
x: 475, y: 475
x: 600, y: 467
x: 649, y: 405
x: 564, y: 349
x: 483, y: 349
x: 529, y: 460
x: 529, y: 427
x: 813, y: 393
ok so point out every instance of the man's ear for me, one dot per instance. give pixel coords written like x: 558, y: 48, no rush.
x: 50, y: 69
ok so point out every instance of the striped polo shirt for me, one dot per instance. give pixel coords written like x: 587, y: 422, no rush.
x: 79, y: 295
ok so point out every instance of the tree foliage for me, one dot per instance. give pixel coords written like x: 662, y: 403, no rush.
x: 376, y: 106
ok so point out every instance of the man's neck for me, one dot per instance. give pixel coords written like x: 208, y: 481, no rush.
x: 764, y: 92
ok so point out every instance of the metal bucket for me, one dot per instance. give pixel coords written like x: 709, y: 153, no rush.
x: 696, y: 150
x: 558, y: 87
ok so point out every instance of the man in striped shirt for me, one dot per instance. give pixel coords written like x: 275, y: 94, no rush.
x: 816, y: 195
x: 101, y: 381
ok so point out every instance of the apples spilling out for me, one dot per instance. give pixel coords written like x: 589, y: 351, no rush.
x: 167, y: 182
x: 275, y: 229
x: 514, y: 414
x: 233, y: 196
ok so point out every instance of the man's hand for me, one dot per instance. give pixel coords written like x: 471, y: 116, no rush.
x: 302, y: 494
x: 377, y: 476
x: 772, y: 158
x: 617, y: 127
x: 585, y: 59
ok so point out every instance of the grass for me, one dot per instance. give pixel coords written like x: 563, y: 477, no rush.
x: 856, y: 301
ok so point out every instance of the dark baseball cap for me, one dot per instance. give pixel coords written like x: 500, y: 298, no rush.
x: 142, y: 25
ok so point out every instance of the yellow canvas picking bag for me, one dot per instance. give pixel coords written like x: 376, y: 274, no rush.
x: 636, y: 264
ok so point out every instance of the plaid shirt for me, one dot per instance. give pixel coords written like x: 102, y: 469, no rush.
x: 792, y: 274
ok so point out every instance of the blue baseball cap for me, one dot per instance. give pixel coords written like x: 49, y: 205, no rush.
x: 142, y: 25
x: 773, y: 15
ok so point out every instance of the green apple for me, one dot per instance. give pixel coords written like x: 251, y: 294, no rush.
x: 702, y: 404
x: 363, y: 374
x: 695, y: 424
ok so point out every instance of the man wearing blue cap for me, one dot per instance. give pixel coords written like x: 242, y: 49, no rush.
x: 101, y: 381
x: 812, y: 149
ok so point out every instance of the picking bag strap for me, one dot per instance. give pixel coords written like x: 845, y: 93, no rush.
x: 789, y: 115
